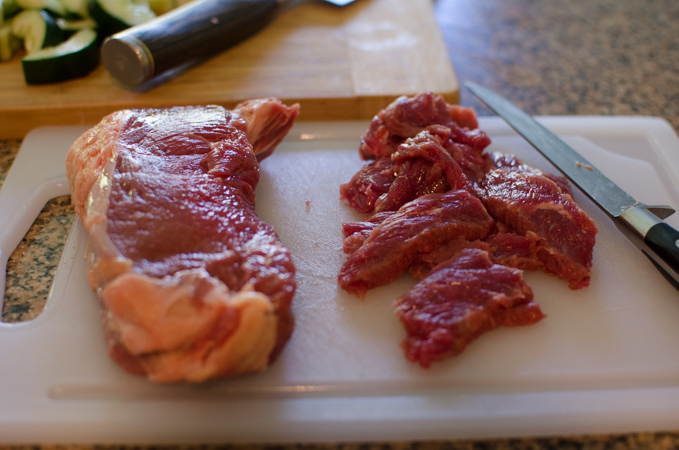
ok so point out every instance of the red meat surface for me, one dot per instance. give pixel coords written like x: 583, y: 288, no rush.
x: 462, y: 299
x: 423, y: 166
x: 407, y: 116
x: 368, y: 184
x: 417, y: 227
x: 529, y: 202
x: 427, y: 154
x: 193, y: 285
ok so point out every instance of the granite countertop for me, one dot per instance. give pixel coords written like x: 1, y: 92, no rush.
x: 600, y: 57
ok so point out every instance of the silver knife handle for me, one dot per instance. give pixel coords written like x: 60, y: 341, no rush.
x: 656, y: 239
x: 196, y: 30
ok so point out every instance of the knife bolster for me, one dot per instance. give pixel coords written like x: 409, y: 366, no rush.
x: 635, y: 223
x: 127, y: 59
x: 654, y: 237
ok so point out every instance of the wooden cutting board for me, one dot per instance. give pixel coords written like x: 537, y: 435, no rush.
x: 338, y: 63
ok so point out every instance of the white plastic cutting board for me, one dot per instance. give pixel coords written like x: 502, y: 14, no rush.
x: 606, y: 359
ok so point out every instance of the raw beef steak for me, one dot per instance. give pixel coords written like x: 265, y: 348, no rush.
x: 192, y: 284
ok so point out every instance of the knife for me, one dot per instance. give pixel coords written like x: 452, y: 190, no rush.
x: 194, y: 31
x: 640, y: 223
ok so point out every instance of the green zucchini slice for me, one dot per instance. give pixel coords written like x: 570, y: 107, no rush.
x: 9, y: 43
x: 76, y: 7
x: 71, y: 26
x: 7, y: 9
x: 53, y: 6
x: 37, y: 29
x: 117, y: 15
x: 74, y: 58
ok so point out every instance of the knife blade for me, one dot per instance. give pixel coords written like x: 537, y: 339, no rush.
x: 640, y: 223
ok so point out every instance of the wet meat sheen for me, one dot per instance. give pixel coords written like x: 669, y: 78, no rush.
x: 529, y: 202
x: 417, y: 227
x: 464, y: 221
x: 193, y: 285
x: 407, y: 116
x: 463, y: 298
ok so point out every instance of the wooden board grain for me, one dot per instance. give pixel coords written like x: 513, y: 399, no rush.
x: 338, y: 63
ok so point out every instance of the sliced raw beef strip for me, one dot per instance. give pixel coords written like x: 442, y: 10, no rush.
x: 470, y: 158
x: 515, y: 250
x: 506, y: 248
x: 418, y: 227
x: 462, y: 299
x: 418, y: 161
x: 192, y: 284
x: 368, y: 184
x: 355, y: 233
x: 496, y: 160
x: 407, y: 116
x: 423, y: 167
x: 424, y: 263
x: 528, y: 201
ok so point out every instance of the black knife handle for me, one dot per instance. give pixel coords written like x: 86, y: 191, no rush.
x: 197, y: 30
x: 655, y: 238
x: 662, y: 243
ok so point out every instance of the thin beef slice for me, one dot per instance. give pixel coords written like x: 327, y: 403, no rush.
x: 406, y: 116
x: 535, y: 205
x: 417, y: 227
x: 463, y: 298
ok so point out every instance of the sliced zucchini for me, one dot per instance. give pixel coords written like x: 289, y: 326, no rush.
x: 71, y: 26
x: 53, y: 6
x: 117, y: 15
x: 9, y: 43
x: 74, y: 58
x: 8, y: 8
x: 37, y: 29
x: 160, y: 7
x: 76, y: 7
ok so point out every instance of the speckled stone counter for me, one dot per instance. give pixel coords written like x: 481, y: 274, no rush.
x: 34, y: 262
x: 601, y: 57
x: 582, y: 57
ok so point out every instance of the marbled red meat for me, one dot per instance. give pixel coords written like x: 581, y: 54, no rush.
x: 495, y: 160
x: 193, y: 285
x: 515, y: 250
x: 407, y: 116
x: 355, y: 233
x: 469, y: 157
x: 417, y: 227
x: 425, y: 262
x: 423, y: 166
x: 506, y: 248
x: 368, y: 184
x: 413, y: 143
x: 425, y: 153
x: 528, y: 201
x: 462, y: 299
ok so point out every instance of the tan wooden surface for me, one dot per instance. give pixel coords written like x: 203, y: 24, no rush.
x: 338, y: 63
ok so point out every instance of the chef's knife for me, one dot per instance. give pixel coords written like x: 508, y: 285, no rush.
x: 196, y: 30
x: 640, y: 223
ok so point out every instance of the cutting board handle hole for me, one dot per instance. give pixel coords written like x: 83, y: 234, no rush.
x: 36, y: 256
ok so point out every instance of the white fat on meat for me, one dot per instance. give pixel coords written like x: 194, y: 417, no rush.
x: 188, y: 325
